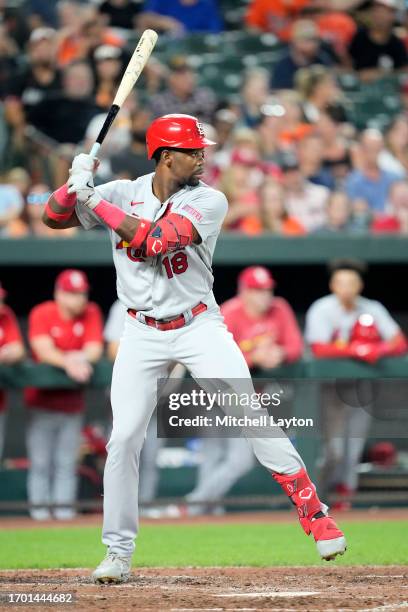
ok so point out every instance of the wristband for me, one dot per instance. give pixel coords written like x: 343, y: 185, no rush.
x: 140, y: 234
x: 51, y: 214
x: 63, y: 198
x: 109, y: 213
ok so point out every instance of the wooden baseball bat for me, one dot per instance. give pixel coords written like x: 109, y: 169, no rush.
x: 134, y: 68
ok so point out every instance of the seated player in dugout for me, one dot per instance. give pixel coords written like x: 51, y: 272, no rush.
x: 346, y: 325
x: 163, y: 228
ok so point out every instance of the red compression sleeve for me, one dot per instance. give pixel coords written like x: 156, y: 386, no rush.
x: 394, y: 347
x: 330, y: 350
x: 65, y: 199
x: 110, y: 214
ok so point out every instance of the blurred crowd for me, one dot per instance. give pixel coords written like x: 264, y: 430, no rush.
x: 289, y: 157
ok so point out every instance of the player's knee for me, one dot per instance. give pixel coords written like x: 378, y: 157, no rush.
x: 125, y: 440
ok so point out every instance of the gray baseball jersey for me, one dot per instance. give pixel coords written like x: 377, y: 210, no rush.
x: 326, y: 317
x: 163, y: 286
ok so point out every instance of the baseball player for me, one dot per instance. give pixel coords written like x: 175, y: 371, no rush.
x: 345, y: 325
x: 66, y: 333
x: 11, y: 352
x: 163, y: 228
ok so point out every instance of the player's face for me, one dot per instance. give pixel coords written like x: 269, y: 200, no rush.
x: 187, y: 166
x: 346, y: 285
x: 74, y: 303
x: 258, y: 300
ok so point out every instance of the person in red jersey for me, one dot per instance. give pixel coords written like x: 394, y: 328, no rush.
x: 265, y: 329
x: 11, y: 352
x: 263, y: 325
x: 67, y: 333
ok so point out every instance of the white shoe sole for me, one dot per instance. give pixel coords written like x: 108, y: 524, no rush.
x: 329, y: 549
x: 110, y: 579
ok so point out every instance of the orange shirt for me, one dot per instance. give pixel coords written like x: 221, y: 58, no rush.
x: 274, y: 15
x: 9, y: 333
x: 67, y: 335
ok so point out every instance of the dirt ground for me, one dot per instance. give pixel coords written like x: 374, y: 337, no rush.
x: 309, y: 589
x: 289, y: 516
x: 366, y: 589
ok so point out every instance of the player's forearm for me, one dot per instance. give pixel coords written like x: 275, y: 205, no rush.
x: 12, y: 353
x: 330, y: 350
x: 59, y: 211
x: 394, y: 347
x: 169, y: 234
x: 51, y: 356
x: 93, y: 351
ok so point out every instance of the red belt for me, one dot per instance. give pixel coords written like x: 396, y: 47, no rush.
x: 164, y: 325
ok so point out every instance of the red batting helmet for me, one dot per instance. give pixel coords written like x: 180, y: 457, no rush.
x: 178, y: 131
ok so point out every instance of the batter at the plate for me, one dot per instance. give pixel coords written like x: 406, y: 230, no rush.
x: 163, y: 229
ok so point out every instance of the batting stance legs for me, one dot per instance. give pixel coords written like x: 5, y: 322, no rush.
x: 207, y: 349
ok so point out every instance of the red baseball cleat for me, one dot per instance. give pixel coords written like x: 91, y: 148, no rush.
x: 330, y: 541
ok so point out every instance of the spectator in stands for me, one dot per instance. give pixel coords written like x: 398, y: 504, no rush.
x: 182, y: 94
x: 65, y: 333
x: 40, y: 80
x: 318, y: 89
x: 11, y: 206
x: 304, y: 50
x: 8, y: 61
x: 239, y: 183
x: 339, y: 215
x: 42, y: 12
x: 265, y: 329
x: 293, y: 125
x: 82, y: 31
x: 375, y: 50
x: 11, y: 352
x: 368, y: 181
x: 254, y: 94
x: 273, y: 120
x: 310, y: 152
x: 346, y: 325
x: 108, y: 74
x: 331, y: 127
x: 132, y: 162
x: 274, y: 216
x: 94, y: 33
x: 121, y: 13
x: 66, y: 118
x: 277, y: 16
x: 395, y: 157
x: 396, y: 221
x: 180, y: 16
x: 305, y: 202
